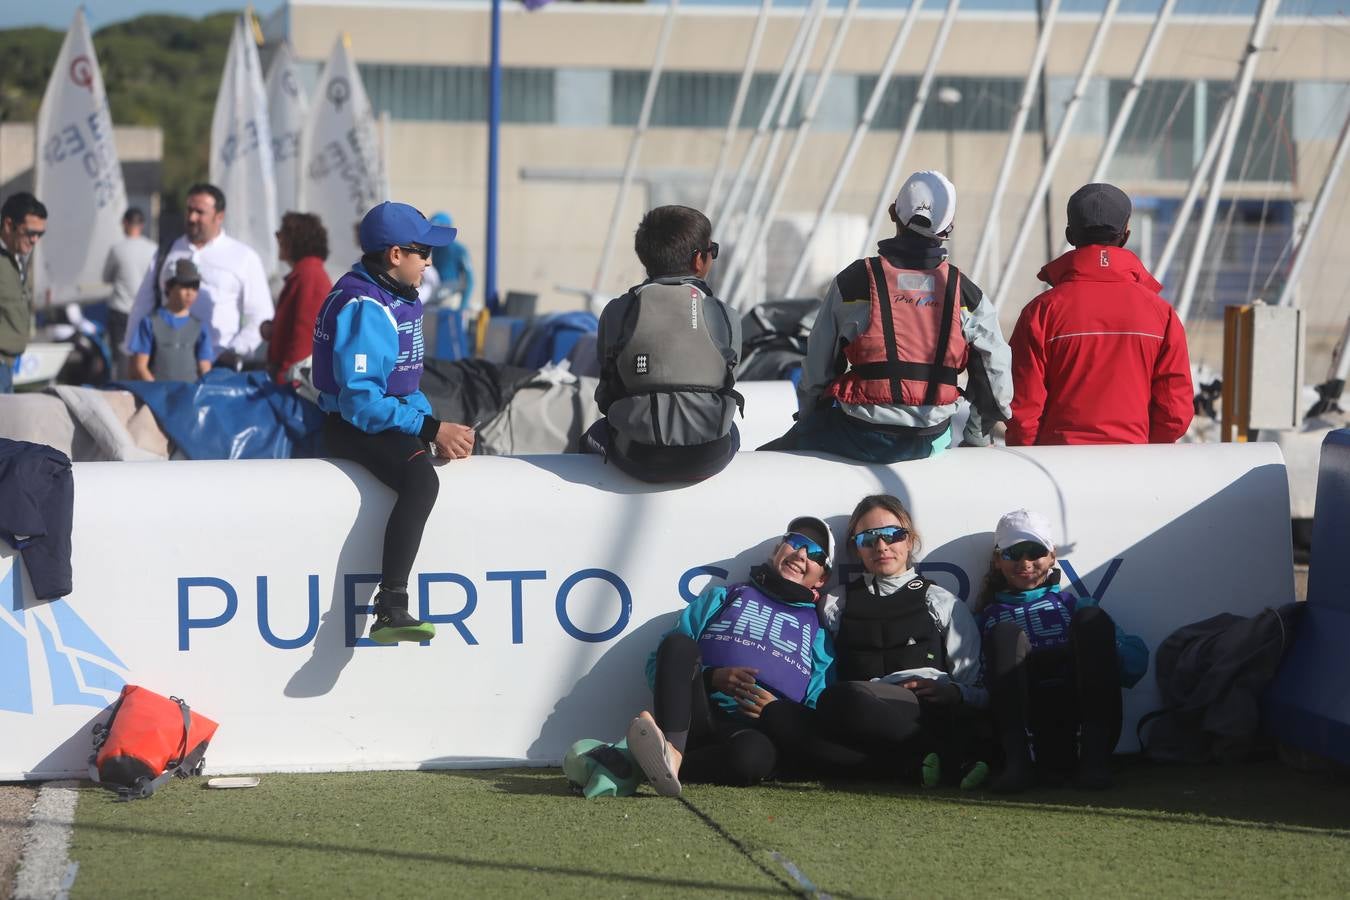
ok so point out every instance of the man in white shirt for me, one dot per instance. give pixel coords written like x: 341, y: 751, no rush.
x: 128, y: 261
x: 234, y: 299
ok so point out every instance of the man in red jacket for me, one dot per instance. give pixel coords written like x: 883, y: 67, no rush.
x: 1100, y: 358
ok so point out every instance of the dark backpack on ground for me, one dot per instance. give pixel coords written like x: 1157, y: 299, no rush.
x: 1212, y: 675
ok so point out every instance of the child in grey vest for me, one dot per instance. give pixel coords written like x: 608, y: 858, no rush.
x: 171, y: 345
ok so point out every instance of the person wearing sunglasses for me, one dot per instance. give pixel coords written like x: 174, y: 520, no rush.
x: 894, y: 334
x: 367, y: 367
x: 23, y: 221
x: 1055, y: 663
x: 907, y: 654
x: 734, y: 682
x: 667, y: 352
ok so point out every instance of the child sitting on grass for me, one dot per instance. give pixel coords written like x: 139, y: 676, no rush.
x: 171, y: 345
x: 734, y: 684
x: 1054, y: 663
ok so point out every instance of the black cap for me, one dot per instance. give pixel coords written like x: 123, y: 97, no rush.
x: 1098, y: 214
x: 185, y: 272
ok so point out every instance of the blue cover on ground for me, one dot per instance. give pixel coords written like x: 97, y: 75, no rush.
x: 232, y: 415
x: 550, y: 337
x: 1308, y: 704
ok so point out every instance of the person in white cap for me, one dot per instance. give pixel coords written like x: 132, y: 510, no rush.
x: 1054, y: 663
x: 894, y: 334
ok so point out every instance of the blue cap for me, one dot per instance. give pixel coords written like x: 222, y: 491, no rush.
x: 398, y: 224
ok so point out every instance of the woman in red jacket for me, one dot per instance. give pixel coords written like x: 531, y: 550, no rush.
x: 302, y: 241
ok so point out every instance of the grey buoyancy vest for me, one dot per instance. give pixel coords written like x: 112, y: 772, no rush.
x: 175, y: 352
x: 676, y: 381
x: 668, y: 346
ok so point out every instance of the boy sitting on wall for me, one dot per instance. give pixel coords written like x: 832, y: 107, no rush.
x: 667, y: 350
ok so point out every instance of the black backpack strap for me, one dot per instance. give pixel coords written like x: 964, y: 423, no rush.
x: 887, y: 325
x: 944, y: 335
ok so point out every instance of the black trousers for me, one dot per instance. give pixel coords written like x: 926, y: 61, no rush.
x: 402, y: 463
x: 786, y: 739
x: 894, y: 729
x: 1056, y: 693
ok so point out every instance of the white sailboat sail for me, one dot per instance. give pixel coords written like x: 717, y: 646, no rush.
x: 241, y: 149
x: 287, y: 109
x: 79, y: 177
x: 342, y: 173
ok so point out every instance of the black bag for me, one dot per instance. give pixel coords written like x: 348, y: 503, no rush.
x: 1211, y: 675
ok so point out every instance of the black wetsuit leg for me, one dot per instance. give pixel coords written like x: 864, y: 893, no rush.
x: 717, y: 748
x: 402, y: 462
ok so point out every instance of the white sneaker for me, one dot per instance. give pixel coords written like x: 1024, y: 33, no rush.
x: 649, y: 746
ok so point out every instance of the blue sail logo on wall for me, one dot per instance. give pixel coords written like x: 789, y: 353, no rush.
x: 50, y: 641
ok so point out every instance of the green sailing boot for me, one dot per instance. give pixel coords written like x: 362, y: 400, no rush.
x: 597, y: 769
x: 393, y: 622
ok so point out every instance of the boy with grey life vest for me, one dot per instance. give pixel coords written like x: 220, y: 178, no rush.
x: 170, y: 344
x: 667, y: 350
x: 896, y: 330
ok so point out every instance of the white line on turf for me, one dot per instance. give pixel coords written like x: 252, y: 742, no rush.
x: 45, y: 872
x: 798, y: 876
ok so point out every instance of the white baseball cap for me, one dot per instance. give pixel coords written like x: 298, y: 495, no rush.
x: 926, y: 203
x: 816, y: 530
x: 1023, y: 525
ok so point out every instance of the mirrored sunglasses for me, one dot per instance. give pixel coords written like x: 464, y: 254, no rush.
x: 814, y: 551
x: 890, y: 534
x: 1025, y: 550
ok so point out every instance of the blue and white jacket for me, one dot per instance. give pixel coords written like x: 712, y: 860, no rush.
x: 368, y: 357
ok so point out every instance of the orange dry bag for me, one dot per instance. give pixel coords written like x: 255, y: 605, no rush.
x: 148, y: 740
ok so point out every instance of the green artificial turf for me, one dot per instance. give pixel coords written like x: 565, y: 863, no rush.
x: 1241, y: 831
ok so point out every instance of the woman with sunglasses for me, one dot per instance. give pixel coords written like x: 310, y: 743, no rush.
x: 733, y: 684
x: 1055, y: 663
x: 907, y: 654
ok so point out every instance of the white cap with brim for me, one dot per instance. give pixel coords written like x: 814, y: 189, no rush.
x: 926, y: 204
x: 1023, y: 525
x: 816, y: 530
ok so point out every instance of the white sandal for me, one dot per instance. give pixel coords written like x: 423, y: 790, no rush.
x: 649, y: 746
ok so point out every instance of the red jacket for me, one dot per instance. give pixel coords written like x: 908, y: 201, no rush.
x: 1100, y: 358
x: 302, y: 294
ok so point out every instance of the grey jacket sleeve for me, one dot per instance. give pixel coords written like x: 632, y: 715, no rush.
x: 961, y: 637
x: 989, y: 386
x: 822, y: 351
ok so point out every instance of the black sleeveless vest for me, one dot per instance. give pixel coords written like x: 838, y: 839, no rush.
x: 880, y: 635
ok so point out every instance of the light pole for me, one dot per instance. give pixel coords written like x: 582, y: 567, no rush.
x: 949, y: 96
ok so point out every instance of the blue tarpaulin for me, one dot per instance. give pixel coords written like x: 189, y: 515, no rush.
x: 232, y: 415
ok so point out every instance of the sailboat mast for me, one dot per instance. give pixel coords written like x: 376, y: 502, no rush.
x: 982, y: 249
x: 841, y: 172
x: 889, y: 185
x: 1265, y: 15
x: 1042, y: 188
x: 635, y: 146
x: 737, y: 291
x: 738, y: 108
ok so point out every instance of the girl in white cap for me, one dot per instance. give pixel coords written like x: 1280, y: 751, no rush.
x: 1054, y: 663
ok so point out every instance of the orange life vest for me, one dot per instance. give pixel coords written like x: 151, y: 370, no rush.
x: 913, y: 348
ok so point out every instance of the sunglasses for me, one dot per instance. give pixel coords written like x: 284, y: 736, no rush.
x: 1025, y: 550
x: 418, y: 250
x: 36, y: 233
x: 890, y: 534
x: 814, y: 551
x: 711, y: 249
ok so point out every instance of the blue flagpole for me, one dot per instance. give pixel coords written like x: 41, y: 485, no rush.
x: 494, y: 127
